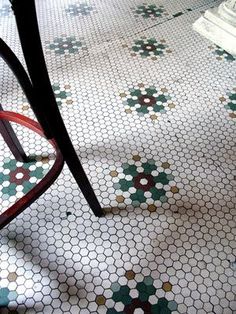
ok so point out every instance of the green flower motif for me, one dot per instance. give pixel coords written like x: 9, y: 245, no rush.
x: 150, y: 48
x: 141, y: 178
x: 230, y: 102
x: 222, y: 54
x: 62, y: 94
x: 65, y: 45
x: 150, y: 11
x: 79, y: 9
x: 14, y: 174
x: 145, y: 289
x: 147, y: 100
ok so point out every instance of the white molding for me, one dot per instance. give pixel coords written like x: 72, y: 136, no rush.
x: 219, y: 26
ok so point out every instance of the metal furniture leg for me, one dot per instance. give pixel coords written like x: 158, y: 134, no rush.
x: 23, y: 79
x: 12, y: 141
x: 27, y: 25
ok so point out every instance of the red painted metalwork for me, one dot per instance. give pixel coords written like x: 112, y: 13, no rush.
x: 45, y: 183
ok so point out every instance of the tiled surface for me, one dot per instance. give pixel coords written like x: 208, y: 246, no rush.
x: 150, y: 107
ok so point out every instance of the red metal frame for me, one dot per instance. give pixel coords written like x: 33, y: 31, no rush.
x: 45, y: 183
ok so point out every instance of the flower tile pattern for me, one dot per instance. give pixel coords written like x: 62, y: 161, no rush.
x: 63, y: 94
x: 165, y: 177
x: 17, y: 179
x: 150, y: 47
x: 65, y: 45
x: 142, y: 181
x: 221, y: 54
x: 143, y: 291
x: 150, y: 11
x: 147, y: 100
x: 79, y: 9
x: 230, y: 102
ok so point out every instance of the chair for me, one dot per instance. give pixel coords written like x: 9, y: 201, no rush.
x: 38, y: 91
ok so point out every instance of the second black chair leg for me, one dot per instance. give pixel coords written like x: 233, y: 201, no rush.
x: 12, y: 141
x: 80, y: 176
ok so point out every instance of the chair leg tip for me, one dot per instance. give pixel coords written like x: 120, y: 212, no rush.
x: 99, y: 215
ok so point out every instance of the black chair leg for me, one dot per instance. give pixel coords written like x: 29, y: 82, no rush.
x: 31, y: 44
x: 23, y: 79
x: 12, y: 141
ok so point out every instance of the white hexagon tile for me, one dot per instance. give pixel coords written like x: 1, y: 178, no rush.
x: 150, y: 106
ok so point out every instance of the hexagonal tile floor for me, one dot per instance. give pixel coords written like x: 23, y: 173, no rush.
x: 150, y: 107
